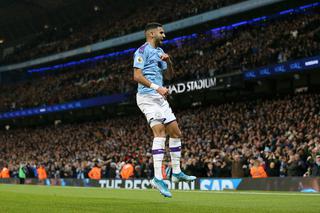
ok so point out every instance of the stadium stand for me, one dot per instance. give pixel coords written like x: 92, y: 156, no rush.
x: 292, y: 37
x: 219, y: 141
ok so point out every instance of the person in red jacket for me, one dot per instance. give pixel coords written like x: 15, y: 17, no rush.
x: 42, y: 174
x: 127, y: 171
x: 5, y: 173
x: 257, y: 171
x: 95, y: 172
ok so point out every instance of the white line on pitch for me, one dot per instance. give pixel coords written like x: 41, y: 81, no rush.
x: 255, y: 193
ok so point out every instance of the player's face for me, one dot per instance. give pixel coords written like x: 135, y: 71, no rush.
x: 159, y: 36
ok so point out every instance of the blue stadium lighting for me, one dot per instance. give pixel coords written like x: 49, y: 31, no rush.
x: 98, y: 57
x: 82, y: 61
x: 174, y: 40
x: 306, y: 6
x: 286, y: 11
x: 80, y: 104
x: 240, y: 23
x: 259, y: 19
x: 222, y: 28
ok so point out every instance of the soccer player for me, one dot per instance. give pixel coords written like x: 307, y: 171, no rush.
x: 151, y: 63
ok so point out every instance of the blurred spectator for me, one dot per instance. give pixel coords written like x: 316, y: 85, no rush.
x: 95, y: 172
x: 237, y: 166
x: 257, y: 170
x: 272, y: 164
x: 296, y: 167
x: 127, y: 171
x: 314, y: 169
x: 5, y: 173
x: 113, y: 170
x: 22, y: 173
x: 42, y: 174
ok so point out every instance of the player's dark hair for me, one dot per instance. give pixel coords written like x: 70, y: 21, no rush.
x: 151, y: 26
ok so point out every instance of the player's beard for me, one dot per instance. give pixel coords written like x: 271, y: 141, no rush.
x: 158, y: 41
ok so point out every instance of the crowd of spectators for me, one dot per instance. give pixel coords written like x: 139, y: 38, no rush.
x: 281, y: 134
x: 210, y: 53
x: 108, y: 23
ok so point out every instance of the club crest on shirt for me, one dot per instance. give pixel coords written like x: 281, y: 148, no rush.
x: 139, y: 59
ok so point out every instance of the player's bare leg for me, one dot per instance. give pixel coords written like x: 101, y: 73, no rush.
x: 175, y: 152
x: 158, y: 147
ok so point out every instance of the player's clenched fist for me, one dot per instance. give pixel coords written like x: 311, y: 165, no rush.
x: 164, y: 57
x: 163, y: 91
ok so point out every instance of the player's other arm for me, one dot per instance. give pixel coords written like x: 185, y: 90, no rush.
x: 139, y: 77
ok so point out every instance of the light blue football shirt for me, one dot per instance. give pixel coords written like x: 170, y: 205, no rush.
x: 147, y: 58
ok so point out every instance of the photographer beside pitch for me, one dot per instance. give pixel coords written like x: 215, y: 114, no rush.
x: 150, y: 63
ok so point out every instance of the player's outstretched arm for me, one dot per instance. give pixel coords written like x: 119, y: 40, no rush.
x: 139, y: 77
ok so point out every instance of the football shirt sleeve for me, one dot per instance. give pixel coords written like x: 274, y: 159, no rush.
x: 139, y: 60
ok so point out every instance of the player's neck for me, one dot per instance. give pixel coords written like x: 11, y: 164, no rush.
x: 152, y: 43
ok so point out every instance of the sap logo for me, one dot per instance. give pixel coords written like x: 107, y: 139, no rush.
x: 219, y: 184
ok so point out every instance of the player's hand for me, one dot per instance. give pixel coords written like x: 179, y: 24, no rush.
x: 163, y: 91
x: 164, y: 57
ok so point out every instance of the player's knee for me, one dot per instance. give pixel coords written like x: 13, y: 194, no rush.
x: 159, y: 134
x: 176, y: 134
x: 159, y: 131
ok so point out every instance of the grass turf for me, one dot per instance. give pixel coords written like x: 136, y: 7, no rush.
x: 27, y: 198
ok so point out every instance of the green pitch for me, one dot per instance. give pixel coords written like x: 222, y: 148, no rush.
x: 17, y: 198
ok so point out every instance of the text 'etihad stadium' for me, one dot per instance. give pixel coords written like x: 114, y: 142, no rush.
x: 192, y: 85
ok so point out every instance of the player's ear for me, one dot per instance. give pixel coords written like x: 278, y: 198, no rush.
x: 149, y: 33
x: 152, y: 33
